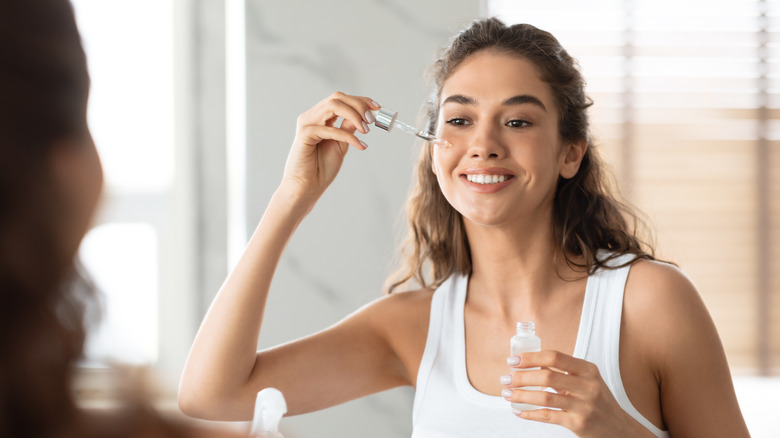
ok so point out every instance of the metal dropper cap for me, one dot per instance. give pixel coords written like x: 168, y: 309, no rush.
x: 385, y: 119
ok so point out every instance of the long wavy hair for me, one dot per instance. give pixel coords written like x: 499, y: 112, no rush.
x: 586, y: 215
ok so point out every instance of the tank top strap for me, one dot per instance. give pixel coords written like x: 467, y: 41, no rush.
x: 607, y: 312
x: 443, y: 304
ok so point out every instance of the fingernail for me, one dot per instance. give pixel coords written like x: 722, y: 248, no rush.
x: 363, y: 143
x: 373, y: 102
x: 370, y: 117
x: 365, y: 127
x: 517, y: 411
x: 506, y: 380
x: 506, y: 393
x: 512, y: 361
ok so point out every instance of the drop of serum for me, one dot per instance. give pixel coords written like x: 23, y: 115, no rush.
x: 525, y: 341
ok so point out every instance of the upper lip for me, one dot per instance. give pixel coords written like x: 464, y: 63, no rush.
x: 487, y: 171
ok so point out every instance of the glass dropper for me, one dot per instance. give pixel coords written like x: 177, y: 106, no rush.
x: 387, y: 120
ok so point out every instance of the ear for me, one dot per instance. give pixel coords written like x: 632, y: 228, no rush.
x: 572, y: 158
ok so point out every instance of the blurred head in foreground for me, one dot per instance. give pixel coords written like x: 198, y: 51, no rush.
x: 50, y: 180
x: 50, y: 183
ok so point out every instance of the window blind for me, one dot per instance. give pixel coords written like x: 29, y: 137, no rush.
x: 687, y: 99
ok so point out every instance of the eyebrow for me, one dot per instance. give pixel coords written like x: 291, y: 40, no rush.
x: 520, y: 99
x: 524, y: 99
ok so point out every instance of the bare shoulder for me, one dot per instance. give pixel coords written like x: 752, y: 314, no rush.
x: 401, y: 313
x: 651, y: 282
x: 663, y: 303
x: 402, y: 319
x: 418, y: 300
x: 670, y: 332
x: 658, y: 294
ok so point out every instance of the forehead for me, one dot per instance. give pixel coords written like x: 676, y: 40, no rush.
x: 492, y: 77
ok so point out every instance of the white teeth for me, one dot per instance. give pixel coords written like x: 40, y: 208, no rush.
x: 486, y: 179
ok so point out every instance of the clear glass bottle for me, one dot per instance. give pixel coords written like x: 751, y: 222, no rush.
x: 525, y: 341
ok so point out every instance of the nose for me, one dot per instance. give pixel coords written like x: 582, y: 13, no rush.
x: 485, y: 143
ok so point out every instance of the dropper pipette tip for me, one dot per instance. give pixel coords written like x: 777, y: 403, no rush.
x: 387, y: 120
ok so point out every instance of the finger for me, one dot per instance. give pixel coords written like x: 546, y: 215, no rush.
x: 355, y: 108
x: 347, y: 125
x: 578, y: 387
x: 313, y: 135
x: 328, y: 110
x: 546, y: 378
x: 550, y: 416
x: 538, y: 397
x: 361, y: 104
x: 558, y: 360
x: 338, y: 108
x: 364, y: 105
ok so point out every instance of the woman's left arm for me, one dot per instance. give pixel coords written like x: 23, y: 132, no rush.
x: 668, y: 322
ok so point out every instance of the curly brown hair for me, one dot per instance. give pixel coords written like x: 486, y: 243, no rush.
x: 587, y: 216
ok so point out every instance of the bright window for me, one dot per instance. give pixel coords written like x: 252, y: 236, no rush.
x: 129, y: 45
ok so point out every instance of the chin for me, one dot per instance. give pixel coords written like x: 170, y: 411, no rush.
x: 486, y: 220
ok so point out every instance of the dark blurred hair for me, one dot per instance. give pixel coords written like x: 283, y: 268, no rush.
x: 586, y: 215
x: 43, y: 91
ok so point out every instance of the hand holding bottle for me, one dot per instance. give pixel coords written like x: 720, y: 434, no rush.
x: 583, y: 403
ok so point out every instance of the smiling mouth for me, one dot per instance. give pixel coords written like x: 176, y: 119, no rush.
x: 487, y: 179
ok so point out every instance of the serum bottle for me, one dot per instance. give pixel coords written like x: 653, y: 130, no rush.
x: 525, y: 341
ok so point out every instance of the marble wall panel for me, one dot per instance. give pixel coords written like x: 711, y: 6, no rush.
x: 299, y: 52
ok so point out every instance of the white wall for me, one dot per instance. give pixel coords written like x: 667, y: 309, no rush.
x: 299, y: 52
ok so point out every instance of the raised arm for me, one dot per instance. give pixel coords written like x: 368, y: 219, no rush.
x: 224, y: 371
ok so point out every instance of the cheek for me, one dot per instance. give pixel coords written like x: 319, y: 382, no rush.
x: 443, y: 166
x: 85, y: 184
x: 441, y: 163
x: 456, y: 137
x: 93, y: 181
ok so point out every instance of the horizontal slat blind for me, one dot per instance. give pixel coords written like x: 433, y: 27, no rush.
x: 686, y: 113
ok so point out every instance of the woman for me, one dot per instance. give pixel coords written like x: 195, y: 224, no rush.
x: 516, y: 223
x: 50, y: 181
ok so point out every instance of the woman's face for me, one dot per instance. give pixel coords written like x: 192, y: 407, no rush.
x: 507, y: 154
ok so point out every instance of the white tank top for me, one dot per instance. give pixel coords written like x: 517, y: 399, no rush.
x: 445, y: 403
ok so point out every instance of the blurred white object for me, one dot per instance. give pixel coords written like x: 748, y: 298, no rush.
x: 759, y: 398
x: 269, y: 409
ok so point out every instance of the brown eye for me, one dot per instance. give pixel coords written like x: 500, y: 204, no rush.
x: 518, y: 123
x: 457, y: 121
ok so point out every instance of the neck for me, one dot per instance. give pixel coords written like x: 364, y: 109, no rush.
x: 514, y: 267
